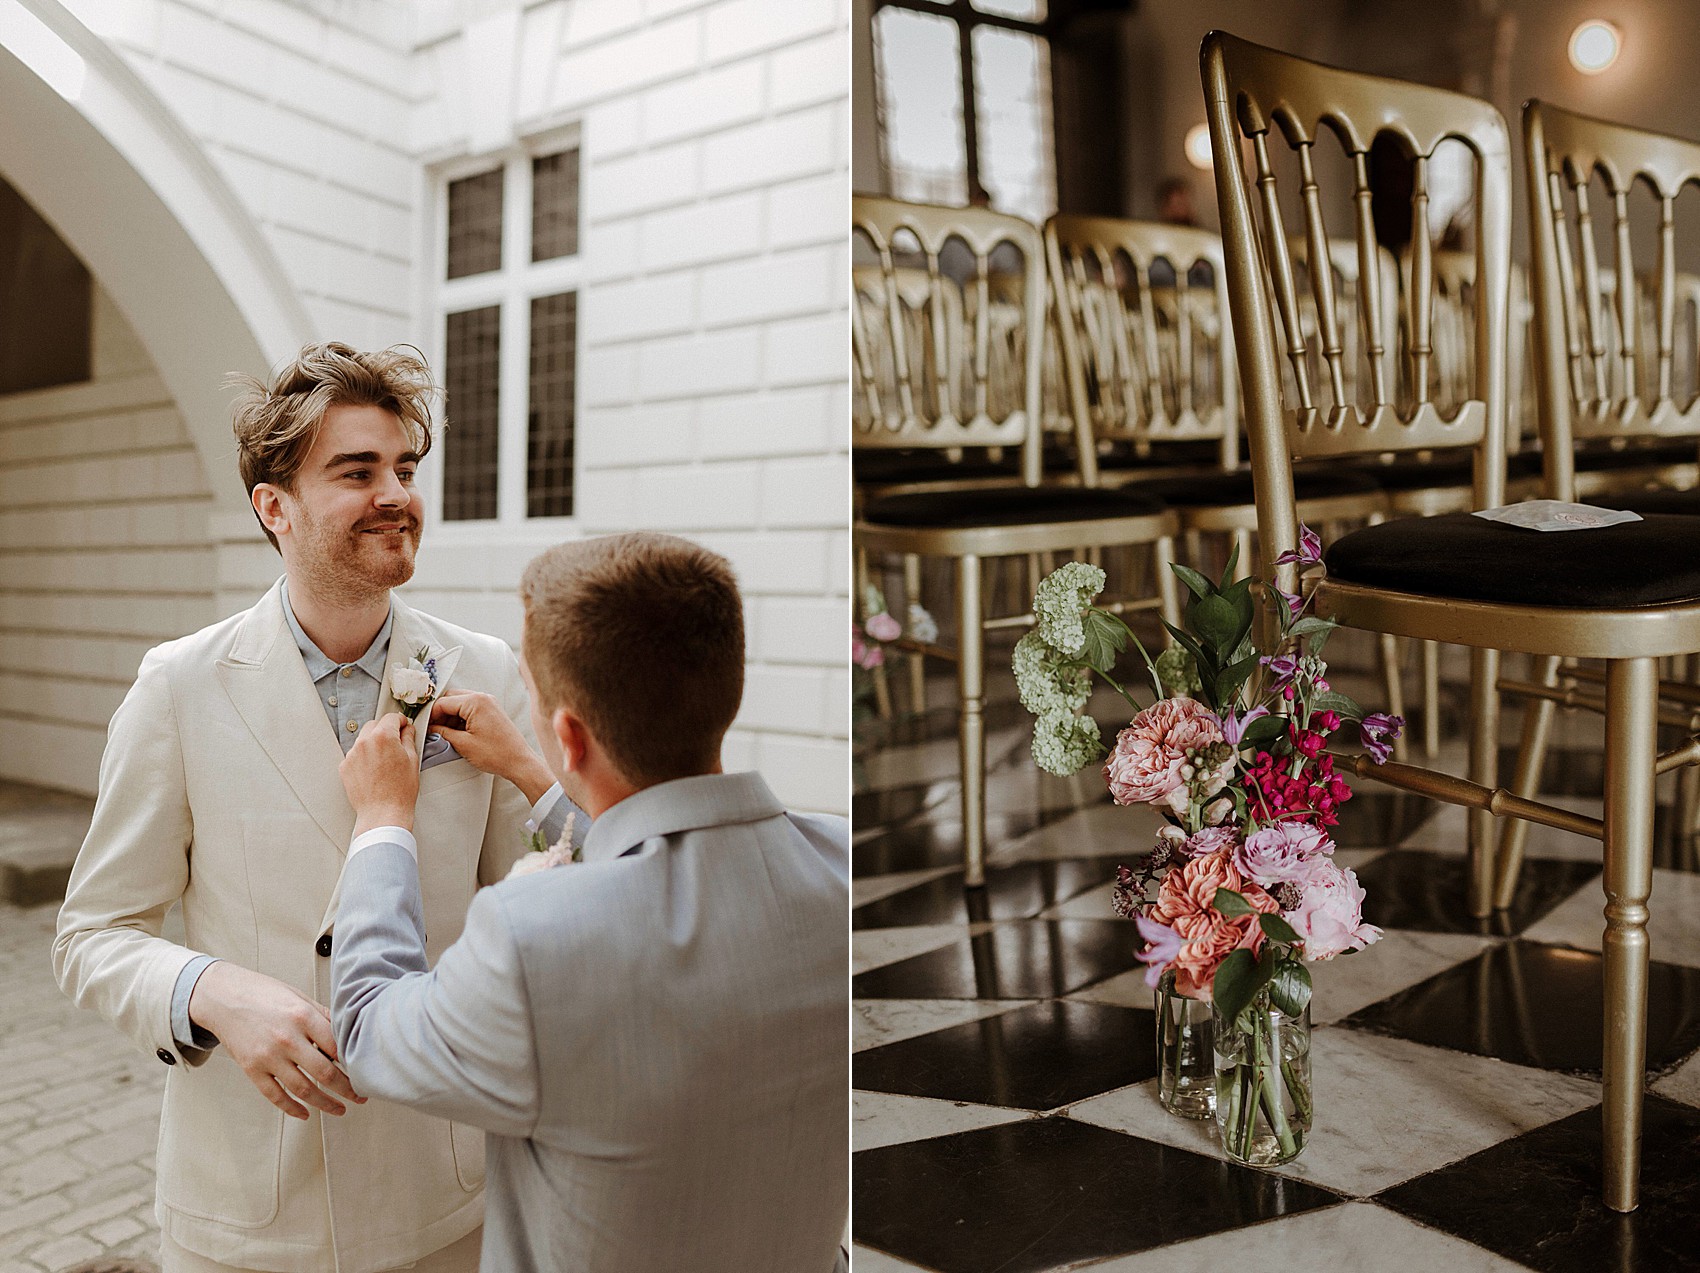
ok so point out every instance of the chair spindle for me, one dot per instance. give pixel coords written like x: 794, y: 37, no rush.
x: 1422, y: 282
x: 1321, y: 275
x: 1282, y: 264
x: 1369, y: 281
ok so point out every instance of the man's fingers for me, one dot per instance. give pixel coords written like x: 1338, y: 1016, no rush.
x: 297, y: 1084
x: 317, y: 1027
x: 273, y: 1091
x: 454, y: 707
x: 317, y: 1066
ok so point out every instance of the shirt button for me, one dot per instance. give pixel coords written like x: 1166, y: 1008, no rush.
x: 352, y: 727
x: 348, y: 671
x: 323, y: 945
x: 165, y: 1056
x: 333, y: 700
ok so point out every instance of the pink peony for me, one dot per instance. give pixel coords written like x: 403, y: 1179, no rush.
x: 1329, y: 915
x: 1145, y: 767
x: 1285, y: 852
x: 882, y: 627
x: 1186, y: 903
x: 1210, y: 840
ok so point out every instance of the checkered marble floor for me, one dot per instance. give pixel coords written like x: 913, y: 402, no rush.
x: 1005, y: 1117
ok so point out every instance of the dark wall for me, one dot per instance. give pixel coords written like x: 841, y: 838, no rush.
x: 45, y: 301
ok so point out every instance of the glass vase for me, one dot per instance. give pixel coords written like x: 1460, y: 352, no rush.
x: 1186, y: 1074
x: 1263, y: 1093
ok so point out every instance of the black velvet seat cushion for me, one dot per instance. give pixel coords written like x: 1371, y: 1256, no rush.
x: 1121, y: 457
x: 1649, y: 562
x: 1683, y: 503
x: 1011, y: 506
x: 1675, y: 451
x: 874, y: 466
x: 1452, y: 469
x: 1225, y: 489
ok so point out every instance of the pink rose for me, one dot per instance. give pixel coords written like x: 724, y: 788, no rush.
x: 1329, y: 915
x: 1285, y: 852
x: 1186, y: 903
x: 1210, y: 840
x: 882, y: 627
x: 1145, y: 767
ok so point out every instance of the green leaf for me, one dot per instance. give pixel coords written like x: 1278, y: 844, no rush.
x: 1238, y: 979
x: 1289, y: 986
x: 1206, y: 665
x: 1233, y: 560
x: 1277, y: 929
x: 1106, y: 638
x: 1311, y: 624
x: 1334, y: 701
x: 1230, y: 903
x: 1201, y: 587
x: 1232, y: 677
x: 1216, y: 622
x: 1263, y: 731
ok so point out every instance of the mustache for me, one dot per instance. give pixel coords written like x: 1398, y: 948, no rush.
x: 410, y: 523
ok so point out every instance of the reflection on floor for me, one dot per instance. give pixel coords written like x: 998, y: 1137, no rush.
x: 1005, y: 1118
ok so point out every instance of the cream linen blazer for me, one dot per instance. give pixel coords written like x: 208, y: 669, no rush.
x: 219, y: 788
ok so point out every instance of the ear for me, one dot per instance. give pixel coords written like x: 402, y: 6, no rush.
x: 269, y: 508
x: 573, y: 737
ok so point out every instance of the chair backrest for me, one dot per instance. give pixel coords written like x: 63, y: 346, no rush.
x: 1147, y: 360
x: 1598, y: 377
x: 1349, y: 295
x: 948, y: 327
x: 1455, y: 346
x: 1263, y: 96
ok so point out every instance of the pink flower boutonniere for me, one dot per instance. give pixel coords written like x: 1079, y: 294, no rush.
x: 541, y: 856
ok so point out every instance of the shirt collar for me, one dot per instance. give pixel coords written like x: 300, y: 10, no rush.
x: 319, y: 664
x: 685, y: 804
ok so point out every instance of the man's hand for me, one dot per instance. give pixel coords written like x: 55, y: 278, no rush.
x: 282, y: 1040
x: 477, y: 727
x: 381, y: 774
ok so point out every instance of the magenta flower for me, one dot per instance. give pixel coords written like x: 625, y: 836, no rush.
x: 1308, y: 553
x: 883, y: 627
x: 1378, y: 730
x: 1295, y: 603
x: 1162, y: 945
x: 1284, y: 667
x: 864, y: 655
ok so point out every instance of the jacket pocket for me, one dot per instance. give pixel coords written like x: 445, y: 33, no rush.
x: 468, y: 1145
x: 220, y: 1146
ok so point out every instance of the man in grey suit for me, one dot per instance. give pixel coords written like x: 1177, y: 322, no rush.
x: 657, y: 1035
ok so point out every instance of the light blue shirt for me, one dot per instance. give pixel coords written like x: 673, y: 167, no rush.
x: 349, y: 692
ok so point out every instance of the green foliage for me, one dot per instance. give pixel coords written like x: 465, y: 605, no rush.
x: 1289, y: 985
x: 1106, y: 638
x: 1277, y: 929
x: 1230, y: 903
x: 1334, y: 701
x: 1238, y: 979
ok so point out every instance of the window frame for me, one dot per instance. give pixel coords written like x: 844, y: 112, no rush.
x: 967, y: 17
x: 512, y: 289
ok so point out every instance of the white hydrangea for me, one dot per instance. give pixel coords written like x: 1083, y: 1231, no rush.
x: 1045, y: 685
x: 1064, y: 744
x: 1061, y: 596
x: 922, y: 626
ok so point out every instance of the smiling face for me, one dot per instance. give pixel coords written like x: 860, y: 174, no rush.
x: 350, y: 527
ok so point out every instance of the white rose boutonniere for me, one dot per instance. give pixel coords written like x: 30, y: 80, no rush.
x: 543, y: 856
x: 414, y: 686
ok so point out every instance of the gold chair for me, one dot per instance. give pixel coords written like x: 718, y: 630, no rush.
x: 1607, y: 356
x: 985, y: 392
x: 1629, y: 594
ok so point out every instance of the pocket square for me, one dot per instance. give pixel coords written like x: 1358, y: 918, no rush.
x: 438, y: 751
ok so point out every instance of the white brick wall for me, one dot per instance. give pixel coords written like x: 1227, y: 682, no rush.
x: 712, y: 327
x: 103, y: 553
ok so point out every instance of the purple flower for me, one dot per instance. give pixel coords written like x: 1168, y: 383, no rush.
x: 1308, y: 553
x: 1233, y: 724
x: 1282, y: 852
x: 1378, y: 730
x: 1163, y: 944
x: 1295, y: 603
x: 1284, y: 666
x: 1209, y: 839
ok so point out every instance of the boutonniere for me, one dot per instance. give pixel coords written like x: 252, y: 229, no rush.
x: 542, y: 855
x: 414, y: 686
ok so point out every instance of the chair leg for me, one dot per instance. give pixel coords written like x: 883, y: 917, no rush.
x: 1631, y: 749
x: 1484, y: 769
x: 1168, y: 596
x: 917, y: 660
x: 1526, y: 781
x: 1431, y: 699
x: 971, y: 733
x: 1393, y: 687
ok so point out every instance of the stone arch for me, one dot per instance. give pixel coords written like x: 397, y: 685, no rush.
x: 126, y: 186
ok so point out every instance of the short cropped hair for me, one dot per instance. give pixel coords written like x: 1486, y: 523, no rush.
x: 276, y: 422
x: 642, y: 636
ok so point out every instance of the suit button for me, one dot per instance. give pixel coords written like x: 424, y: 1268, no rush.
x: 165, y: 1056
x: 323, y: 946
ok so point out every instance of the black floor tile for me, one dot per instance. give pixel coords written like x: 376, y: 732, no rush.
x: 1425, y: 890
x: 1034, y: 959
x: 1571, y: 771
x: 896, y: 805
x: 1536, y: 1199
x: 937, y: 840
x: 1376, y: 818
x: 1538, y: 1005
x: 1010, y: 892
x: 1045, y: 1192
x: 1040, y: 1057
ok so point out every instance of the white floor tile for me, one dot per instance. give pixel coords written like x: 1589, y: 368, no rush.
x: 885, y: 1118
x: 877, y: 1022
x: 1672, y: 934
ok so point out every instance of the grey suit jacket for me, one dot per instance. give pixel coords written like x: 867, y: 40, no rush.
x: 657, y: 1037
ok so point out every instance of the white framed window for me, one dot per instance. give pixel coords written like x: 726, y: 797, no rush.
x: 505, y: 310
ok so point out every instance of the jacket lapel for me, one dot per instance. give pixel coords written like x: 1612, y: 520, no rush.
x: 267, y: 681
x: 408, y: 635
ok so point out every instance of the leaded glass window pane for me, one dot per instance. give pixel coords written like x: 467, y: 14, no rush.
x: 471, y: 371
x: 554, y: 205
x: 475, y: 224
x: 549, y: 428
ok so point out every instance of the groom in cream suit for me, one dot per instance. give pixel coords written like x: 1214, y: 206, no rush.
x: 219, y: 790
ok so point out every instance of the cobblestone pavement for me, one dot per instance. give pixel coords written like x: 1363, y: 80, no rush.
x: 79, y: 1117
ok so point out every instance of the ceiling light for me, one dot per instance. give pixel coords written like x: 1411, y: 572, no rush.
x: 1198, y: 146
x: 1594, y: 46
